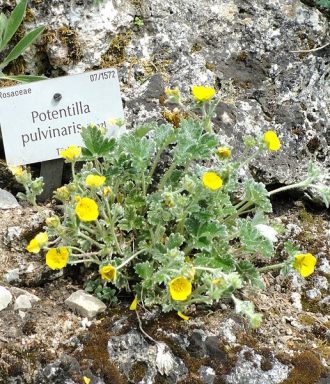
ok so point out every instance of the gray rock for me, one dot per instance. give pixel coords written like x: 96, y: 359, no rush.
x: 229, y: 329
x: 19, y: 291
x: 13, y: 233
x: 5, y: 298
x: 313, y: 294
x: 248, y: 370
x: 65, y: 370
x: 131, y: 348
x: 296, y: 301
x: 22, y: 302
x: 324, y: 380
x: 324, y: 266
x: 207, y: 374
x: 85, y: 304
x: 7, y: 200
x: 12, y: 276
x: 25, y: 301
x: 320, y: 282
x: 325, y: 302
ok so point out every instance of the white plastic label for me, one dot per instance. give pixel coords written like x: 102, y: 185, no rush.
x: 39, y: 119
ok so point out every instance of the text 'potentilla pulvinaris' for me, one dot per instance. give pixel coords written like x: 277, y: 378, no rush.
x: 40, y: 134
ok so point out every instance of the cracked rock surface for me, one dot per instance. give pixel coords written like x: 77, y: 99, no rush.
x: 243, y: 48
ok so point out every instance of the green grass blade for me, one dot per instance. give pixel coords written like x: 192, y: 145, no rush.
x: 22, y: 45
x: 13, y: 23
x: 3, y: 25
x: 22, y: 78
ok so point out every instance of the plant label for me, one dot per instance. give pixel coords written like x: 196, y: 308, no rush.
x: 39, y: 119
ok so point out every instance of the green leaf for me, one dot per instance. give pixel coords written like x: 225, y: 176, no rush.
x: 164, y: 135
x: 249, y: 273
x: 144, y: 270
x: 96, y: 142
x: 130, y: 220
x: 257, y: 193
x: 193, y: 143
x: 175, y: 240
x: 25, y: 42
x: 13, y: 23
x: 143, y: 130
x: 215, y: 260
x: 203, y: 233
x: 140, y: 151
x: 252, y: 241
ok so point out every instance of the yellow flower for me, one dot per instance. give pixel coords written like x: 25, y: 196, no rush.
x: 37, y: 242
x: 224, y: 152
x: 71, y: 153
x: 94, y: 181
x: 87, y: 209
x: 107, y: 191
x: 57, y: 258
x: 201, y: 93
x: 180, y: 288
x: 212, y: 181
x: 304, y: 263
x: 183, y: 316
x: 87, y: 380
x: 108, y: 272
x: 272, y: 141
x: 16, y: 171
x: 134, y: 304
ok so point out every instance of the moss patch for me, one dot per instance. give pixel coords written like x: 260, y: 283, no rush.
x: 138, y: 372
x: 70, y: 39
x: 116, y: 54
x: 95, y: 353
x: 307, y: 369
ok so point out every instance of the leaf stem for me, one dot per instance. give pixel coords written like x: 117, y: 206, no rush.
x: 167, y: 175
x: 100, y: 246
x: 130, y: 258
x: 84, y: 261
x: 271, y: 267
x: 303, y: 183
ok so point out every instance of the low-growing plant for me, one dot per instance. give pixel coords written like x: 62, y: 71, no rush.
x: 33, y: 187
x: 8, y: 27
x: 155, y: 211
x: 324, y: 3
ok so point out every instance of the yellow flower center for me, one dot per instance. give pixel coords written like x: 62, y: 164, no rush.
x: 272, y: 141
x: 202, y: 94
x: 180, y: 288
x: 304, y: 263
x: 57, y: 258
x: 212, y: 181
x: 87, y: 209
x: 108, y: 272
